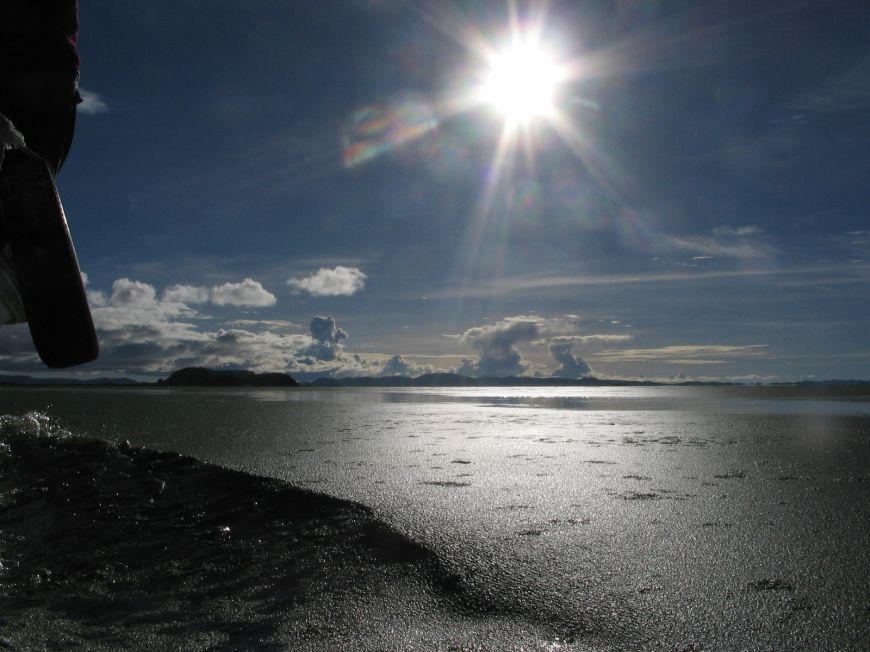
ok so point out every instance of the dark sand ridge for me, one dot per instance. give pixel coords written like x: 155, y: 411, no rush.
x: 111, y: 547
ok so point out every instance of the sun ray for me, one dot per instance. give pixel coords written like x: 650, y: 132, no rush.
x: 521, y: 78
x: 596, y: 162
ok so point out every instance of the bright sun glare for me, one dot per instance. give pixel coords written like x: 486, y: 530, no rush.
x: 521, y: 83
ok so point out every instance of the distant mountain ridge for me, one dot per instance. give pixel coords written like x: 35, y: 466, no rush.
x: 455, y: 380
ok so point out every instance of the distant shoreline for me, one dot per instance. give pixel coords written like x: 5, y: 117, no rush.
x: 200, y: 377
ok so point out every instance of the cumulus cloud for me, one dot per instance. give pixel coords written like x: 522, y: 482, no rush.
x: 327, y: 338
x: 133, y: 294
x: 497, y: 354
x: 497, y: 345
x: 145, y: 332
x: 399, y: 366
x: 467, y: 367
x: 92, y: 103
x: 570, y: 366
x: 139, y: 333
x: 186, y: 294
x: 248, y: 294
x: 325, y: 282
x: 95, y: 298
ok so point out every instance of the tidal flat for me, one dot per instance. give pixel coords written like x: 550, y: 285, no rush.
x: 446, y: 518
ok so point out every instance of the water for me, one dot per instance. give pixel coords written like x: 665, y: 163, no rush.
x: 505, y: 518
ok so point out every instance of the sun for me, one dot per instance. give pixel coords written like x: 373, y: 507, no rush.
x: 522, y: 82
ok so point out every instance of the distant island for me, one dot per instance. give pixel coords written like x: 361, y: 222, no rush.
x: 201, y: 377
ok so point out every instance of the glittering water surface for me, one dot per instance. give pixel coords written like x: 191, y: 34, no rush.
x: 566, y: 518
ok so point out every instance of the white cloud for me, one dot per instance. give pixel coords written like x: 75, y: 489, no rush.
x: 140, y: 333
x: 95, y: 297
x: 272, y: 324
x: 723, y: 242
x: 508, y: 285
x: 133, y: 294
x: 587, y: 339
x: 497, y: 354
x: 180, y: 293
x: 684, y: 354
x: 325, y: 282
x: 497, y: 345
x: 570, y: 366
x: 92, y: 103
x: 327, y: 338
x: 399, y: 366
x: 740, y: 231
x: 249, y: 294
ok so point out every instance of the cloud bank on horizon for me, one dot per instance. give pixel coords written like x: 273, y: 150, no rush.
x: 145, y: 332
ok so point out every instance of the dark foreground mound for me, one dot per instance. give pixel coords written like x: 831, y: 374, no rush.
x: 106, y: 547
x: 109, y: 547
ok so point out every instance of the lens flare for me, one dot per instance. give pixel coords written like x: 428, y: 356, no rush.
x: 377, y: 129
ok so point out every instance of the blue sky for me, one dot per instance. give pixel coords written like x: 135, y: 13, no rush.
x: 306, y: 187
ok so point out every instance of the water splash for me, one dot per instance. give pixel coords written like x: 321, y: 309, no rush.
x: 32, y: 425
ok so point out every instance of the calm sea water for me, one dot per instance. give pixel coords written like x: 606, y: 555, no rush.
x: 626, y: 518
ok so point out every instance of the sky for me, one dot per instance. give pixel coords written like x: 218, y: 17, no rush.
x: 334, y: 188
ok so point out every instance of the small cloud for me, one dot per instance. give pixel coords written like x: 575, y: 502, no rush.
x: 271, y: 324
x: 339, y: 281
x: 133, y: 294
x: 587, y: 339
x: 399, y: 366
x: 324, y: 329
x: 249, y: 293
x: 570, y: 365
x: 96, y: 298
x: 738, y: 232
x: 327, y: 338
x: 186, y: 294
x: 723, y: 242
x: 686, y: 354
x: 496, y: 345
x: 92, y: 103
x: 497, y: 354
